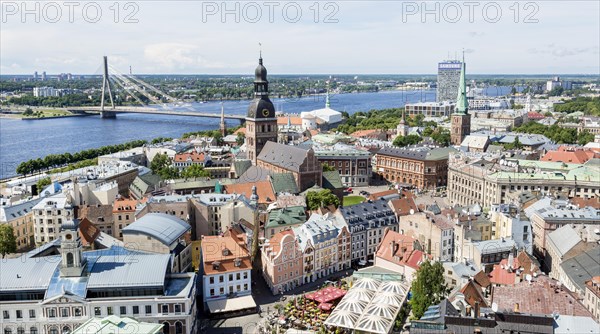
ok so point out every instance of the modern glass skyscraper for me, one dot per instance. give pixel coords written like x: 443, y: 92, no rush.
x: 447, y: 80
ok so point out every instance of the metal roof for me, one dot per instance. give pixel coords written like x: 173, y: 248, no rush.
x: 285, y: 156
x: 162, y: 227
x: 24, y: 273
x: 563, y: 239
x: 8, y: 213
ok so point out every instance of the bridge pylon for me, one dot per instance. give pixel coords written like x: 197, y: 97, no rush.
x: 106, y: 86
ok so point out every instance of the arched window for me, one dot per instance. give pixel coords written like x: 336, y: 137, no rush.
x: 7, y: 331
x: 166, y: 328
x: 66, y: 330
x: 33, y: 330
x: 53, y: 330
x: 178, y: 328
x: 70, y: 260
x: 20, y: 330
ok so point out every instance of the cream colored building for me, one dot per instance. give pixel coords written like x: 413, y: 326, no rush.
x: 49, y: 214
x: 20, y: 217
x: 591, y: 298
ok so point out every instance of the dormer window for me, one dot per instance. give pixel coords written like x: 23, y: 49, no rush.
x: 216, y: 265
x: 226, y: 252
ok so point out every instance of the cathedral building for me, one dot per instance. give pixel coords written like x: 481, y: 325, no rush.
x: 460, y: 119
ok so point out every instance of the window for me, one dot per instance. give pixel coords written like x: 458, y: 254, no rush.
x: 109, y: 310
x: 148, y: 309
x: 52, y: 313
x: 5, y: 314
x: 221, y: 279
x: 19, y: 314
x: 78, y: 312
x: 136, y: 310
x: 33, y: 330
x: 211, y: 280
x: 245, y: 275
x: 7, y: 331
x: 165, y: 309
x: 238, y: 276
x: 53, y: 330
x: 245, y: 286
x: 31, y: 314
x: 221, y: 291
x: 97, y: 311
x: 66, y: 330
x: 123, y: 310
x: 64, y: 312
x: 212, y: 292
x: 178, y: 328
x: 230, y: 277
x: 177, y: 308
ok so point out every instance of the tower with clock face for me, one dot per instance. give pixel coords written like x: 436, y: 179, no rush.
x: 261, y: 123
x: 73, y: 262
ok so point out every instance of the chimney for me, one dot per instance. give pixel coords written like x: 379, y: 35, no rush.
x: 392, y: 248
x: 477, y: 310
x: 517, y: 308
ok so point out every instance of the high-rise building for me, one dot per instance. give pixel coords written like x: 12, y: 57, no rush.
x: 261, y: 123
x: 461, y: 120
x: 44, y: 76
x: 35, y: 75
x: 447, y: 80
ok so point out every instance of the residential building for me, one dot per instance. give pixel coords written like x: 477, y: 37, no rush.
x: 164, y: 234
x: 226, y: 273
x: 302, y: 163
x: 216, y: 213
x: 325, y: 243
x: 21, y: 218
x: 183, y: 160
x: 367, y: 222
x: 435, y: 233
x: 570, y: 154
x: 547, y: 215
x: 284, y: 219
x: 261, y: 123
x: 40, y: 295
x: 282, y: 261
x: 353, y: 165
x: 123, y: 211
x: 563, y: 244
x: 174, y: 205
x: 447, y: 80
x: 421, y: 167
x: 100, y: 216
x: 484, y: 254
x: 48, y: 216
x: 591, y: 297
x: 508, y: 222
x: 432, y: 109
x: 575, y: 271
x: 487, y: 181
x: 399, y: 253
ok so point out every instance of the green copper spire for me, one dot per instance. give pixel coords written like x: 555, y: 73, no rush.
x: 218, y: 187
x: 462, y: 106
x: 327, y: 104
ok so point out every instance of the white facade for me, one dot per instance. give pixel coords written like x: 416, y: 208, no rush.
x: 49, y: 215
x: 220, y: 285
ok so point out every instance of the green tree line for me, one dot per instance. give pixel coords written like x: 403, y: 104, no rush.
x: 56, y: 160
x: 556, y: 133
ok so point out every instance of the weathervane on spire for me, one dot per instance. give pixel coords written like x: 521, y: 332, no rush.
x: 260, y: 49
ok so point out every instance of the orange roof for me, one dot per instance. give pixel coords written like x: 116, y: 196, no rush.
x: 88, y: 232
x: 502, y: 276
x: 375, y: 196
x: 283, y: 120
x: 275, y: 241
x: 193, y: 156
x: 126, y: 204
x: 473, y: 293
x: 224, y: 250
x: 594, y: 202
x: 568, y: 154
x: 402, y: 206
x: 482, y: 279
x: 241, y: 130
x: 404, y: 251
x: 264, y: 190
x: 363, y: 133
x: 535, y: 115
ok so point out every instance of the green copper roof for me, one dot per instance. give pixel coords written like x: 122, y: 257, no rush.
x: 115, y: 324
x: 290, y: 216
x: 462, y: 106
x: 284, y: 183
x: 218, y: 187
x: 332, y: 180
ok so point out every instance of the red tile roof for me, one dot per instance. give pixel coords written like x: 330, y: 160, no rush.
x: 213, y: 252
x: 535, y: 115
x: 283, y: 120
x: 594, y: 202
x: 569, y: 154
x: 542, y: 296
x: 126, y: 204
x: 402, y: 206
x: 376, y: 196
x: 193, y: 156
x: 405, y: 249
x: 88, y: 232
x: 473, y: 293
x: 264, y: 190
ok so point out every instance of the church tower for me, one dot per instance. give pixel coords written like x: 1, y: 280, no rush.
x: 460, y: 119
x: 261, y: 123
x: 402, y: 129
x: 73, y: 263
x: 222, y: 125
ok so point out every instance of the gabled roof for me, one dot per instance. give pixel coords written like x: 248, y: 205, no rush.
x: 264, y: 190
x: 284, y: 156
x: 284, y: 183
x: 332, y: 180
x: 289, y: 216
x: 563, y: 239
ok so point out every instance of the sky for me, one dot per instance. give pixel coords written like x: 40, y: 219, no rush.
x: 300, y: 37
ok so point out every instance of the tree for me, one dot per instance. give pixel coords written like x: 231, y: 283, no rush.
x: 318, y: 199
x: 328, y: 168
x: 428, y: 288
x: 43, y: 183
x: 402, y: 141
x: 8, y: 243
x: 28, y: 112
x: 240, y: 139
x: 441, y: 136
x: 194, y: 171
x: 168, y: 173
x: 159, y: 162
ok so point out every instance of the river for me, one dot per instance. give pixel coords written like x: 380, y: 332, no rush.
x: 24, y: 140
